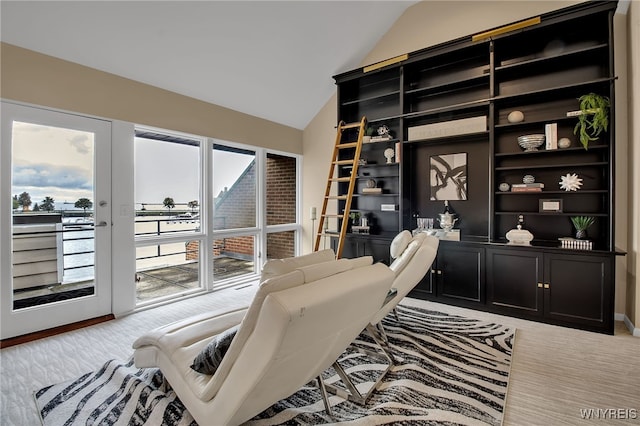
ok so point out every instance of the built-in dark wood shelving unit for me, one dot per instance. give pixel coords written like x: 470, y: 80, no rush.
x: 540, y: 70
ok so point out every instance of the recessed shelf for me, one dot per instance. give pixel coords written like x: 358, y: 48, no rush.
x: 563, y: 55
x: 542, y: 193
x: 449, y: 108
x: 460, y: 84
x: 553, y: 166
x: 376, y: 98
x: 536, y: 213
x: 566, y: 87
x: 551, y: 151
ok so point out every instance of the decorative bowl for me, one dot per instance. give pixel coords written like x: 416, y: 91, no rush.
x: 530, y: 142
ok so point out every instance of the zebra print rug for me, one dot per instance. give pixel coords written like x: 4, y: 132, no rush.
x: 450, y: 370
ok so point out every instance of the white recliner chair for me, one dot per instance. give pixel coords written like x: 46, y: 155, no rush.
x: 297, y: 325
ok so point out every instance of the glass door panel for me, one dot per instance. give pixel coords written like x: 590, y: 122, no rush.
x: 167, y: 226
x: 59, y: 239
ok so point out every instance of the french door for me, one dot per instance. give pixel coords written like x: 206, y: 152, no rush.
x: 55, y: 219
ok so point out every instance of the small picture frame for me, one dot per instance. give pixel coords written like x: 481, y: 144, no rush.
x: 550, y: 205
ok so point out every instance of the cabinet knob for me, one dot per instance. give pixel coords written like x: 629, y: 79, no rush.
x: 546, y: 285
x: 540, y: 285
x: 439, y: 272
x: 433, y: 271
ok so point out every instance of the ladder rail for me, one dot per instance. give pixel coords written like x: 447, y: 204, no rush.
x: 348, y: 197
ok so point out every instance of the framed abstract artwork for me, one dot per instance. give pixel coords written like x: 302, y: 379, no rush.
x: 448, y: 176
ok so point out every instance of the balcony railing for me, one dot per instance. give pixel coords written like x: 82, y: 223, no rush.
x: 58, y: 255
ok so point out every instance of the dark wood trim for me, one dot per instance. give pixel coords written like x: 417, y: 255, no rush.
x: 53, y: 331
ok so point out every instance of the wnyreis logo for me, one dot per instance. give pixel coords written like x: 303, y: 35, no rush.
x: 609, y: 413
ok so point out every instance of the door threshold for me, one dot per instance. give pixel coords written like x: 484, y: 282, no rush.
x: 25, y: 338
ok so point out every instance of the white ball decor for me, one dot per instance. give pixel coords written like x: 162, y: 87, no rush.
x: 515, y: 117
x: 564, y: 143
x: 570, y: 182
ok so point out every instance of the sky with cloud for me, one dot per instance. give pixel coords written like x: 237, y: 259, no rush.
x: 52, y: 162
x: 58, y: 163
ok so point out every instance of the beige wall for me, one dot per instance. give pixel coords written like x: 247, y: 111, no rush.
x: 39, y: 79
x: 432, y: 22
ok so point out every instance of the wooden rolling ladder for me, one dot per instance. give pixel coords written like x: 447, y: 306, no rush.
x: 336, y: 184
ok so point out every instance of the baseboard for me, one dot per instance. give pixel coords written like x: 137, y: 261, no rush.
x: 635, y: 331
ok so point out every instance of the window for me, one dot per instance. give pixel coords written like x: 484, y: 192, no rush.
x: 168, y: 176
x: 192, y: 193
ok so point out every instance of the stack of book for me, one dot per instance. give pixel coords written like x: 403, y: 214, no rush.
x: 527, y: 187
x: 381, y: 138
x: 372, y: 190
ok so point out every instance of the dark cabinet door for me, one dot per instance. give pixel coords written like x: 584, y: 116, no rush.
x: 378, y: 248
x: 578, y: 290
x: 425, y: 289
x: 355, y: 246
x: 460, y: 272
x: 515, y: 281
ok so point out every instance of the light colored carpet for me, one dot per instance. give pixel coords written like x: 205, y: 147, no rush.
x: 555, y: 372
x: 450, y: 369
x: 31, y: 366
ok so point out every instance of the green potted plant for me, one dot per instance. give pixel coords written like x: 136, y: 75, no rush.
x: 355, y: 218
x: 581, y: 223
x: 594, y: 118
x: 368, y: 132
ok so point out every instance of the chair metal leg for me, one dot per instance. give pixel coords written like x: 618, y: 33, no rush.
x: 325, y: 398
x: 380, y: 337
x: 352, y: 393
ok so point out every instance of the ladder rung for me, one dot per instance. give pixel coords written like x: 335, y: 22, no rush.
x: 329, y: 233
x: 344, y: 162
x: 340, y: 179
x: 347, y: 145
x: 339, y: 216
x: 351, y: 125
x: 336, y: 197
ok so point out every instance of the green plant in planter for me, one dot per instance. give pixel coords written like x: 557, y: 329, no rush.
x: 594, y: 118
x: 355, y: 218
x: 581, y: 223
x: 369, y: 131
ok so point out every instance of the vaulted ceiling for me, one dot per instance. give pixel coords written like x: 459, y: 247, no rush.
x: 270, y: 59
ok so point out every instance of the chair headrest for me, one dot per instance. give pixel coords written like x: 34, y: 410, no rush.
x: 399, y: 244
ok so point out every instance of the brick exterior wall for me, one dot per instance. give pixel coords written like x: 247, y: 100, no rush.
x: 281, y: 204
x: 236, y: 208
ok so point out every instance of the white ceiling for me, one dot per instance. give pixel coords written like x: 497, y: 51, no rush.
x: 270, y: 59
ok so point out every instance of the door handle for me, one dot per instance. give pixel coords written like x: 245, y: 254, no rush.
x: 100, y: 224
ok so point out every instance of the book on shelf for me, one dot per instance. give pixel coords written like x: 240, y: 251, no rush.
x: 551, y: 135
x: 528, y: 185
x: 580, y: 112
x: 372, y: 190
x: 381, y: 138
x: 526, y: 189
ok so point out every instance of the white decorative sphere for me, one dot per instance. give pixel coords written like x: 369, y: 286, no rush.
x: 564, y: 143
x: 515, y: 117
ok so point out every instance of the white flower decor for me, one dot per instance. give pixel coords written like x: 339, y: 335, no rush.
x: 570, y: 182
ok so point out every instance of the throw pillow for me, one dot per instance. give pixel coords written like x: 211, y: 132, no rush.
x: 209, y: 359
